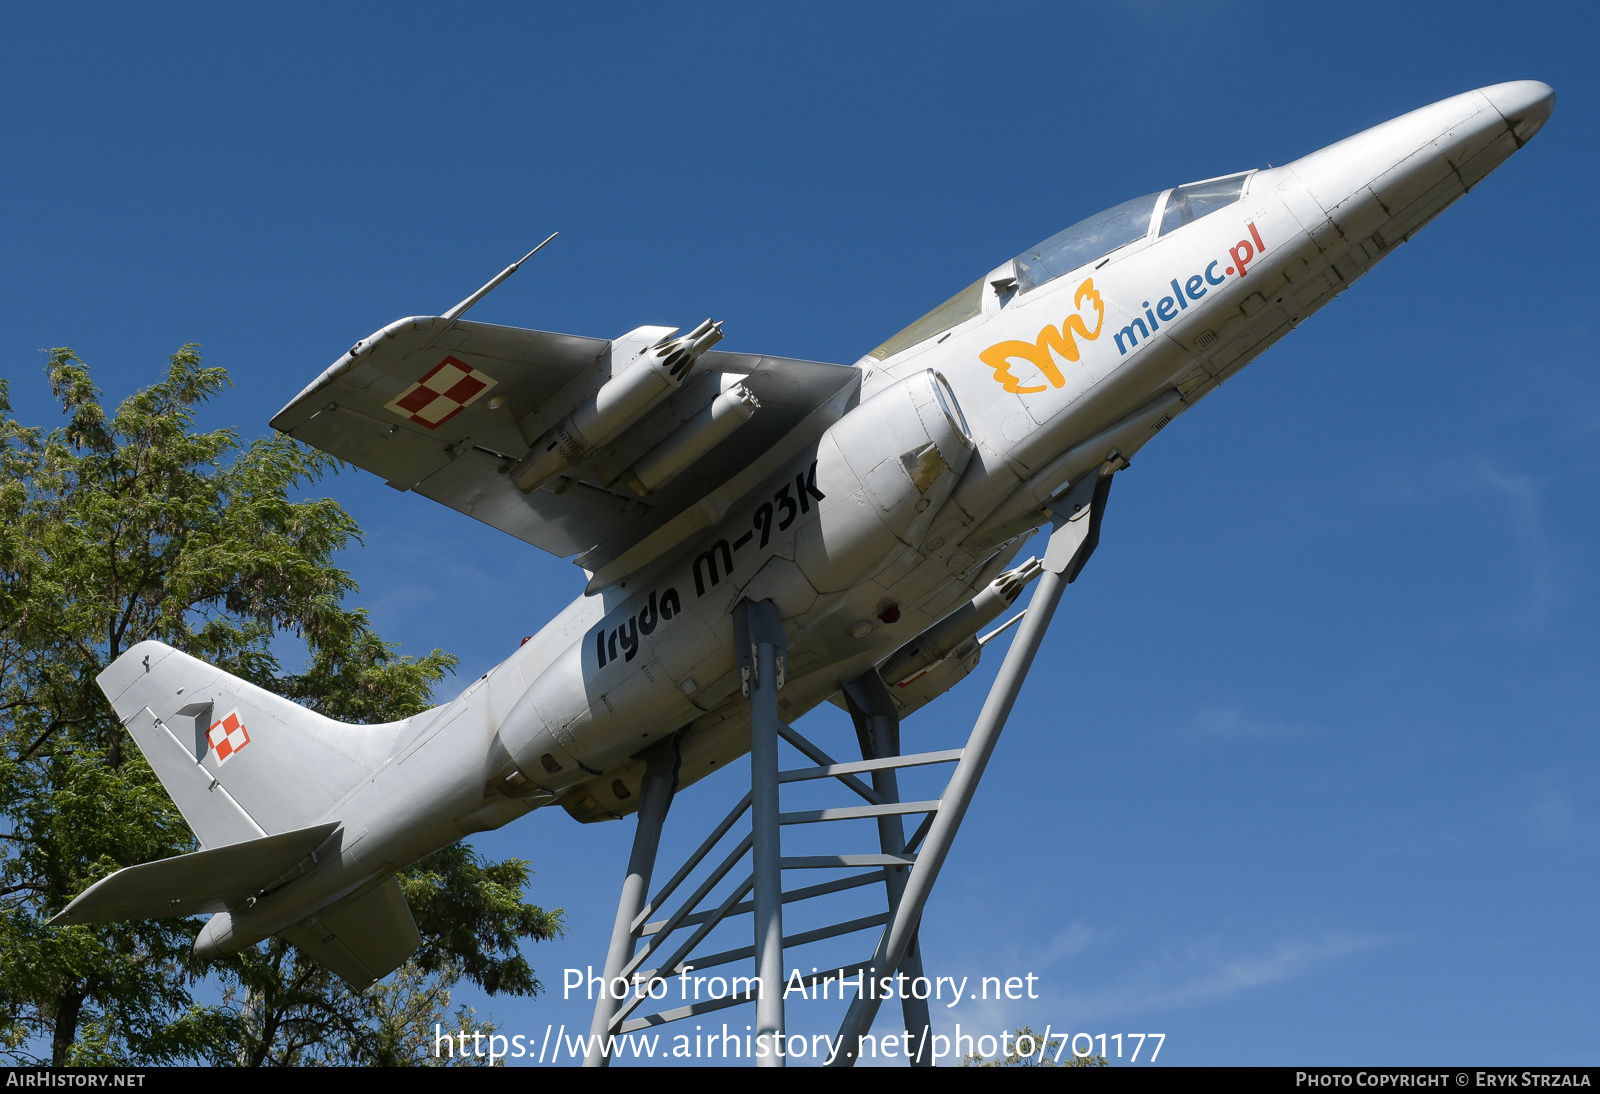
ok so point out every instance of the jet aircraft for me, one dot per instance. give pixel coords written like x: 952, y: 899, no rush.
x: 879, y: 506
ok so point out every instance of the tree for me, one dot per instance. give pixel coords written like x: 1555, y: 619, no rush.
x: 122, y: 527
x: 1025, y: 1048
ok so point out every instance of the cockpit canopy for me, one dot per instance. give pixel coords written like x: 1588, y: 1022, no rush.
x: 1099, y: 235
x: 1086, y: 241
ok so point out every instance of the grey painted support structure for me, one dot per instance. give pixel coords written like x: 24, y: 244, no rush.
x: 877, y: 723
x: 1072, y: 541
x: 655, y: 798
x: 762, y: 647
x: 908, y: 868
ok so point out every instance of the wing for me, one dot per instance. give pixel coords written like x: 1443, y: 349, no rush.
x: 447, y: 408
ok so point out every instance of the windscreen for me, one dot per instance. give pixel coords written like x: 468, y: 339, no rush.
x: 1190, y: 202
x: 1085, y: 241
x: 958, y: 309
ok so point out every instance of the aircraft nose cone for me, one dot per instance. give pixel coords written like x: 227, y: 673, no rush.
x: 1395, y: 177
x: 1525, y: 105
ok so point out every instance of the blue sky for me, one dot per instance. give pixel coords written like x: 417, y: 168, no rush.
x: 1310, y: 774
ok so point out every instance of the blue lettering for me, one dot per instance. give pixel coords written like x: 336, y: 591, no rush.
x: 1133, y: 339
x: 1167, y: 308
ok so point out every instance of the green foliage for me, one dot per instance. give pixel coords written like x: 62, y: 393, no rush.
x: 288, y: 1011
x: 116, y: 529
x: 471, y: 914
x: 1041, y: 1053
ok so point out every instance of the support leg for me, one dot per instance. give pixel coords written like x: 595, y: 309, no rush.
x: 1066, y: 548
x: 762, y: 650
x: 877, y: 723
x: 655, y: 798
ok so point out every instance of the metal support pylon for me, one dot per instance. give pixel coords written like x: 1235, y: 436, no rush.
x: 655, y: 798
x: 906, y: 868
x: 1076, y: 530
x: 877, y: 723
x: 762, y: 649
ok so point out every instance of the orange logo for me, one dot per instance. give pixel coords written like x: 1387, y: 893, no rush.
x: 1062, y: 341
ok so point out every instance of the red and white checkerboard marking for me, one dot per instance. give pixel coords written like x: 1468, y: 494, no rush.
x: 227, y: 736
x: 449, y: 388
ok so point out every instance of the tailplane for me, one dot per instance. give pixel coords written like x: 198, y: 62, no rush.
x: 206, y: 881
x: 361, y: 938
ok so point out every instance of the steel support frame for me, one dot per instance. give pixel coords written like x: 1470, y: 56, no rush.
x: 655, y: 799
x: 877, y: 723
x: 1073, y: 538
x: 908, y: 868
x: 762, y: 648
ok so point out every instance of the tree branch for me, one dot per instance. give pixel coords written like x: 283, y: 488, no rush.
x: 27, y: 753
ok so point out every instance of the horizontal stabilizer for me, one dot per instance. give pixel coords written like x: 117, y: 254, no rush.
x: 205, y: 881
x: 361, y: 938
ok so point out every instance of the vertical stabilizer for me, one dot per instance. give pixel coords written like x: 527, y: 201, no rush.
x: 238, y: 761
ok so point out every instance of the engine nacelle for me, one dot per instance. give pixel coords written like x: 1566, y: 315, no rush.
x: 884, y: 469
x: 565, y: 730
x: 880, y: 474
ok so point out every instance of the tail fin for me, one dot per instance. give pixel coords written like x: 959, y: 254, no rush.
x: 239, y: 762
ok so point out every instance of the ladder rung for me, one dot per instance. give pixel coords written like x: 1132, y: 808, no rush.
x: 740, y: 849
x: 661, y: 1018
x: 833, y: 771
x: 837, y: 885
x: 856, y: 812
x: 816, y: 755
x: 694, y: 860
x: 712, y: 960
x: 696, y: 936
x: 826, y: 862
x: 915, y: 842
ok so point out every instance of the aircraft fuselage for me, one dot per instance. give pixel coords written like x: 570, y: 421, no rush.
x: 904, y: 497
